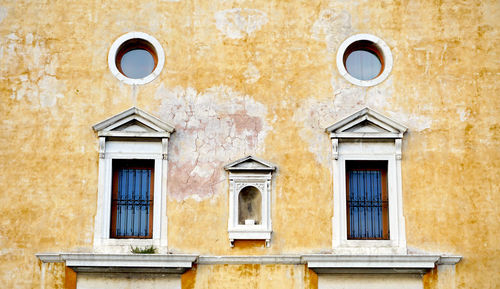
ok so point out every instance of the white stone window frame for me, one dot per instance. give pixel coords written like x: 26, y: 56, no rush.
x: 136, y: 35
x: 132, y: 134
x: 246, y: 172
x: 367, y: 136
x: 384, y: 49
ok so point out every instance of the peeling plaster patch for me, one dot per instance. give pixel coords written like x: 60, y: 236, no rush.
x: 332, y: 27
x: 237, y: 23
x: 415, y: 122
x: 48, y: 96
x: 314, y: 115
x: 252, y: 74
x: 463, y: 113
x: 38, y: 85
x: 13, y: 36
x: 349, y: 97
x: 214, y: 127
x: 379, y: 95
x: 29, y: 38
x: 3, y: 13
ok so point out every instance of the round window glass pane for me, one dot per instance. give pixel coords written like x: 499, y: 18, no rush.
x: 363, y: 64
x: 137, y: 63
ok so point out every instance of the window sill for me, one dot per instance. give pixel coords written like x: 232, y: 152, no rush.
x: 101, y: 263
x: 123, y: 245
x: 250, y: 234
x: 369, y: 247
x: 328, y: 264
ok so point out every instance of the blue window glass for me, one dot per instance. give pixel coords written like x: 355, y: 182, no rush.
x: 132, y: 201
x: 363, y: 64
x: 363, y: 60
x: 136, y: 58
x: 367, y: 206
x: 137, y: 63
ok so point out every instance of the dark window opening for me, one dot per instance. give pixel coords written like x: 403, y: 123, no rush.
x: 136, y: 58
x: 132, y: 199
x: 363, y: 60
x: 367, y: 200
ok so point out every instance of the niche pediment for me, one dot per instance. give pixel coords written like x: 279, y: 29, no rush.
x: 133, y: 122
x: 250, y: 163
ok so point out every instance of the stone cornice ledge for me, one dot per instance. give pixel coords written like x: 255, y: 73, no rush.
x: 93, y: 262
x: 49, y: 257
x: 449, y: 260
x: 326, y: 263
x: 179, y: 263
x: 263, y: 259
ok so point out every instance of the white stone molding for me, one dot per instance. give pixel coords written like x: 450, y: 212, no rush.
x: 449, y: 260
x: 320, y: 263
x: 335, y: 148
x: 136, y: 35
x: 102, y: 147
x: 367, y: 135
x: 383, y: 48
x: 49, y: 257
x: 132, y: 134
x: 164, y: 148
x: 133, y: 122
x: 399, y: 144
x: 100, y: 263
x: 245, y: 172
x: 239, y: 260
x: 328, y: 263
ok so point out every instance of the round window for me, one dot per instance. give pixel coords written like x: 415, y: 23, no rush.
x: 364, y: 60
x: 136, y: 58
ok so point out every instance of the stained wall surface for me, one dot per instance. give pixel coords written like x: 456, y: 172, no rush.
x: 127, y: 281
x: 249, y: 77
x: 347, y: 281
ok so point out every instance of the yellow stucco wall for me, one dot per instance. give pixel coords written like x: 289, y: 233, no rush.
x: 265, y: 85
x: 250, y: 276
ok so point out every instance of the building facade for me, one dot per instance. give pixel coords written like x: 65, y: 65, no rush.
x: 249, y: 144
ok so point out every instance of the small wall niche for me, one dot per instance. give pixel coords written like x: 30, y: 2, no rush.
x: 250, y: 206
x: 250, y: 200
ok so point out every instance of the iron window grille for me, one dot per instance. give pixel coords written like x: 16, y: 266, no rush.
x: 132, y: 199
x: 367, y: 200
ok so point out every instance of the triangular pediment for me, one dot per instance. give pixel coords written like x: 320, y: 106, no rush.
x: 366, y: 123
x: 133, y: 122
x: 367, y: 127
x: 250, y: 163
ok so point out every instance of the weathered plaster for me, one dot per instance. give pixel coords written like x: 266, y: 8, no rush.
x: 38, y: 83
x: 213, y: 128
x: 127, y: 281
x: 251, y: 74
x: 249, y: 77
x: 332, y: 27
x: 252, y: 276
x: 3, y: 13
x: 237, y: 23
x: 351, y: 281
x: 314, y: 115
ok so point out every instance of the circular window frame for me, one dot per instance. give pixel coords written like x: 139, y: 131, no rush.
x: 384, y: 52
x: 115, y: 50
